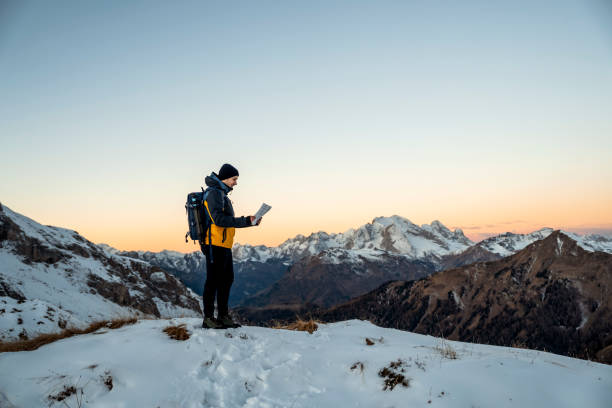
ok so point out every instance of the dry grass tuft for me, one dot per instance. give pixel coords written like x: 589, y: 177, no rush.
x: 446, y: 350
x: 371, y: 342
x: 66, y: 392
x: 117, y: 323
x: 358, y: 366
x: 41, y: 340
x: 519, y: 344
x: 393, y: 375
x: 300, y: 325
x: 177, y: 332
x: 107, y: 379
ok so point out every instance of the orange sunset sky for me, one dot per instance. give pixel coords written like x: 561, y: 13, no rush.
x: 486, y: 117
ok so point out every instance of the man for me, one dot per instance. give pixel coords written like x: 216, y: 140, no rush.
x: 218, y: 246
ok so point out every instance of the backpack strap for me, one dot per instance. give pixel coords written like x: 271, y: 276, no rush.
x: 210, y: 254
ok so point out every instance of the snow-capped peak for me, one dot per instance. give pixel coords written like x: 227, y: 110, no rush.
x: 394, y: 234
x: 508, y: 243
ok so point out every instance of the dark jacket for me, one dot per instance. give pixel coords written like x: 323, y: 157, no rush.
x: 219, y: 209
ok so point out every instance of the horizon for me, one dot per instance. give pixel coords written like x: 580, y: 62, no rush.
x: 601, y: 233
x: 491, y: 118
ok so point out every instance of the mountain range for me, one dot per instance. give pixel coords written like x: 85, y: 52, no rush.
x: 325, y: 269
x: 52, y: 277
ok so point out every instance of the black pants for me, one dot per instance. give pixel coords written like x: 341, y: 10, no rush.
x: 219, y: 279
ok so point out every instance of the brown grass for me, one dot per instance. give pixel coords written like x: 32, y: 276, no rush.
x: 41, y: 340
x: 446, y: 350
x: 177, y: 332
x: 519, y: 344
x: 358, y: 365
x: 63, y: 394
x: 393, y: 375
x: 300, y: 325
x: 371, y: 342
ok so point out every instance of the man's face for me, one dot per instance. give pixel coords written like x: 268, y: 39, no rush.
x: 231, y: 182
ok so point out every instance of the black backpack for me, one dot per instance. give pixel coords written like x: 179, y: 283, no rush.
x: 197, y: 218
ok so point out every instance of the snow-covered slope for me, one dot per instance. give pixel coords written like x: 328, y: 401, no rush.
x: 593, y: 242
x: 52, y: 278
x: 257, y: 253
x: 139, y: 366
x: 509, y: 243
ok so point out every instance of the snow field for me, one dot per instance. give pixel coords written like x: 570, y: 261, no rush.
x: 261, y: 367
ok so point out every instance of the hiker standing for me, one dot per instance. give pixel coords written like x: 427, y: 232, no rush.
x: 219, y: 263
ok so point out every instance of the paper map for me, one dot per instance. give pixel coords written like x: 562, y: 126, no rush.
x: 261, y: 212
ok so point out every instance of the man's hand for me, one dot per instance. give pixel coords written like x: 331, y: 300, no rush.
x: 253, y: 219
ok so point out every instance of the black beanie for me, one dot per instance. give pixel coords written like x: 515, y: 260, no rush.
x: 227, y: 171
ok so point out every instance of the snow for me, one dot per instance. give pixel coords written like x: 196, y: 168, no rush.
x: 337, y: 256
x: 259, y: 253
x: 559, y: 245
x: 592, y: 242
x: 170, y: 259
x: 158, y: 277
x: 584, y: 316
x: 53, y: 235
x: 33, y: 316
x: 268, y: 368
x: 109, y: 250
x: 167, y: 309
x: 509, y: 243
x: 458, y: 300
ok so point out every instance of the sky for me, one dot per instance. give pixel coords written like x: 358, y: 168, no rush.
x: 487, y: 116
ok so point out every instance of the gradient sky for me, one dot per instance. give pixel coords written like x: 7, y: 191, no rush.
x: 487, y: 116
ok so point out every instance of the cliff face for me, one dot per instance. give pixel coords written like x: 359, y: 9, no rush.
x: 552, y: 295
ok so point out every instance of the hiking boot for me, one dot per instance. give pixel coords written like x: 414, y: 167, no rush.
x: 210, y: 323
x: 227, y: 322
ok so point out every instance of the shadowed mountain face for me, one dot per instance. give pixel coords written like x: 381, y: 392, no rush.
x: 337, y: 275
x: 252, y: 277
x: 331, y: 277
x: 471, y: 255
x: 552, y: 296
x: 312, y: 280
